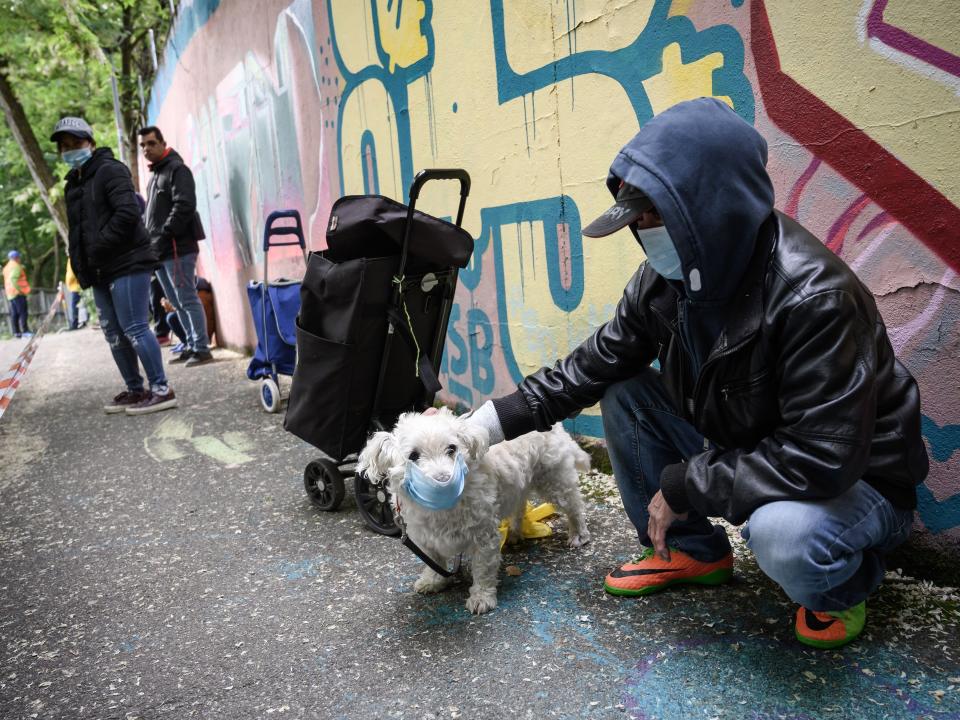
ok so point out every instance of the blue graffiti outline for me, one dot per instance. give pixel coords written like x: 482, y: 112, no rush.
x: 640, y: 60
x: 395, y: 84
x: 371, y: 180
x: 551, y: 212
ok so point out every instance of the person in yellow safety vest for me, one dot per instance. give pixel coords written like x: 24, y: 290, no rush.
x: 17, y: 288
x: 73, y: 297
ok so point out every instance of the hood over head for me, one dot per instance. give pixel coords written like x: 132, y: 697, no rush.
x: 704, y: 169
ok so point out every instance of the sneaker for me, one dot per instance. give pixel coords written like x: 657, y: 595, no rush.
x: 154, y: 402
x: 178, y: 348
x: 649, y: 574
x: 200, y: 358
x: 163, y: 340
x: 124, y: 400
x: 182, y: 357
x: 830, y: 629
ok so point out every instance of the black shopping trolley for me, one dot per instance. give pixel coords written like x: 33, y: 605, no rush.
x: 275, y: 306
x: 370, y: 334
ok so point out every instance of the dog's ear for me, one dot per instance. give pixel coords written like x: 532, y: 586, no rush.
x: 375, y: 458
x: 474, y: 439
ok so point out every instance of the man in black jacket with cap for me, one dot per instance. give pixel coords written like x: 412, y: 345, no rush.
x: 174, y: 226
x: 746, y: 374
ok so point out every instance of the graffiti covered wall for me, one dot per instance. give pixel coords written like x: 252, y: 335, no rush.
x: 279, y: 104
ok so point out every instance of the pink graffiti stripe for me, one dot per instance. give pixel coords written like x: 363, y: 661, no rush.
x: 793, y: 202
x: 881, y: 220
x: 563, y: 252
x: 838, y: 233
x: 900, y: 336
x: 870, y: 249
x: 909, y: 44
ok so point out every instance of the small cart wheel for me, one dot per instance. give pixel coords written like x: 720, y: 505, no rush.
x: 373, y: 502
x: 324, y: 484
x: 269, y: 395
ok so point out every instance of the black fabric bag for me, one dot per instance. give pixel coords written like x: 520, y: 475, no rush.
x: 345, y: 304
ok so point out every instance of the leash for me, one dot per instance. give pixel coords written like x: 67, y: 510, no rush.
x: 420, y: 553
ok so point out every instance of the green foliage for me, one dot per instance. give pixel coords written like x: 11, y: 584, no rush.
x: 54, y: 61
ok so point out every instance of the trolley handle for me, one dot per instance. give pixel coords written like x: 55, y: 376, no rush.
x: 296, y: 229
x: 425, y: 176
x: 421, y: 179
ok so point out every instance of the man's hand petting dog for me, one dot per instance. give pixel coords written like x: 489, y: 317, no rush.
x: 452, y: 490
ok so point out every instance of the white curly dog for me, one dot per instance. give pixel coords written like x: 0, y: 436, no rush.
x: 497, y: 484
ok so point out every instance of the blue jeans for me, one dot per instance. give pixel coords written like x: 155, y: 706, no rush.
x: 825, y: 554
x: 178, y: 276
x: 73, y: 309
x: 124, y: 307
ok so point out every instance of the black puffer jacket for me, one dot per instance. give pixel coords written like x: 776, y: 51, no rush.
x: 107, y: 236
x: 171, y: 214
x: 799, y: 392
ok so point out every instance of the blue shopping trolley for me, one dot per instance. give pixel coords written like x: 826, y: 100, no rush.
x: 275, y: 306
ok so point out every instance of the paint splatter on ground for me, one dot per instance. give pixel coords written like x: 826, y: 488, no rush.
x: 137, y: 588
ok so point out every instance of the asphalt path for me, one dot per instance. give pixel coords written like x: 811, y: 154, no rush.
x: 171, y: 566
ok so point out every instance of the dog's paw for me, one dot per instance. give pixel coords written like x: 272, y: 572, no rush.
x: 579, y: 539
x: 427, y: 585
x: 482, y: 601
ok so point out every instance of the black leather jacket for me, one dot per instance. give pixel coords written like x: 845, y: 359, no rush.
x: 171, y: 214
x: 107, y: 237
x: 800, y: 397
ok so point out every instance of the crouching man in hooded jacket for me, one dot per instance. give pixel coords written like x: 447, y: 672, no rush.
x: 778, y: 401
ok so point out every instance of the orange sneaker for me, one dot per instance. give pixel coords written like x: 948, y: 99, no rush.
x: 830, y: 629
x: 649, y: 574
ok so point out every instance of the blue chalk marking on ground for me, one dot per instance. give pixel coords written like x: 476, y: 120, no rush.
x: 786, y: 680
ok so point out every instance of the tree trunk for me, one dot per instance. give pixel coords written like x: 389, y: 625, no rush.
x: 129, y: 102
x: 33, y: 156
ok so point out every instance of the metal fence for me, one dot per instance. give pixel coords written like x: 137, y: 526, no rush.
x: 38, y: 304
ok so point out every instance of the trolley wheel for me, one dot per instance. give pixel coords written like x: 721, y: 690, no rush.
x: 373, y: 502
x: 269, y: 395
x: 324, y: 484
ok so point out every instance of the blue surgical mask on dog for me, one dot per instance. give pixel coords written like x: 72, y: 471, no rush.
x: 430, y: 493
x: 661, y: 252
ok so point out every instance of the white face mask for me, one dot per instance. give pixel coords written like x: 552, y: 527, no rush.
x: 661, y: 252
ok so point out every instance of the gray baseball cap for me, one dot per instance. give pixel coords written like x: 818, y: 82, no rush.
x: 72, y: 126
x: 631, y: 204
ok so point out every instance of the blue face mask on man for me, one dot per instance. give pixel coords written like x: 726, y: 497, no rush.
x: 661, y: 252
x: 76, y: 158
x: 431, y: 493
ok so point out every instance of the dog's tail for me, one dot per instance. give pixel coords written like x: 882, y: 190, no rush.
x: 581, y: 459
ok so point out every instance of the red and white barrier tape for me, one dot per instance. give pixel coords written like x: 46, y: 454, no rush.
x: 11, y: 379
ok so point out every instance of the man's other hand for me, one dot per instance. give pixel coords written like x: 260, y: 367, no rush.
x: 661, y: 518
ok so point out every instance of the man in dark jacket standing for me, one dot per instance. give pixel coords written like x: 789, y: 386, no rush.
x: 174, y: 227
x: 746, y: 374
x: 110, y: 251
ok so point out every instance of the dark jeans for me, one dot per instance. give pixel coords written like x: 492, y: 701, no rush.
x: 18, y: 315
x: 73, y: 309
x: 178, y: 276
x: 160, y: 325
x: 173, y: 322
x: 825, y: 554
x: 124, y: 317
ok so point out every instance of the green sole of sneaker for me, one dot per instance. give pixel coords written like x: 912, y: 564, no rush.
x: 824, y: 644
x: 717, y: 577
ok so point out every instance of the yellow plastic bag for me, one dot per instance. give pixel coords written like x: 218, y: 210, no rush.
x: 532, y: 525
